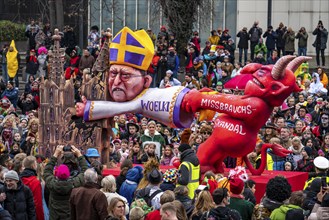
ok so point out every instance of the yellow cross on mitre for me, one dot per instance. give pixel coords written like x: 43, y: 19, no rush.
x: 131, y: 48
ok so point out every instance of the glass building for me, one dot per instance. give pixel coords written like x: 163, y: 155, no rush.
x: 142, y: 14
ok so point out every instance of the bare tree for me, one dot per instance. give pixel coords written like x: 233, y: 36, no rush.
x: 59, y: 14
x: 181, y: 16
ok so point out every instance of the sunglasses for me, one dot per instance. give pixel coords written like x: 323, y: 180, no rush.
x: 207, y: 132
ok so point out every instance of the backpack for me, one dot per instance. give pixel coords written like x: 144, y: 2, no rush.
x: 145, y: 194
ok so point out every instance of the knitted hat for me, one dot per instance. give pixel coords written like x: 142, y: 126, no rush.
x: 170, y: 176
x: 236, y: 186
x: 154, y: 176
x: 11, y: 175
x: 62, y: 172
x: 183, y: 147
x: 308, y: 150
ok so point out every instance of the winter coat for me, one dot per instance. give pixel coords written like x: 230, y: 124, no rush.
x: 32, y: 65
x: 119, y: 180
x: 289, y: 39
x: 27, y: 106
x: 222, y: 213
x: 187, y: 156
x: 280, y: 41
x: 265, y: 208
x: 187, y: 203
x: 12, y: 95
x: 321, y: 38
x: 88, y: 202
x: 260, y: 48
x: 42, y: 61
x: 270, y: 39
x: 86, y: 62
x: 60, y: 190
x: 302, y: 42
x: 255, y: 33
x: 129, y: 186
x: 5, y: 215
x: 280, y: 213
x: 29, y: 178
x: 244, y: 207
x: 156, y: 138
x: 19, y: 203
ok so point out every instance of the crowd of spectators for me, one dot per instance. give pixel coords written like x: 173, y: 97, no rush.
x: 34, y: 187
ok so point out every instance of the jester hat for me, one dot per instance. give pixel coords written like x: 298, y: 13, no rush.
x: 131, y: 48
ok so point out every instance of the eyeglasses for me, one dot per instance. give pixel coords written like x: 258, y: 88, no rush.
x: 124, y: 77
x: 324, y: 118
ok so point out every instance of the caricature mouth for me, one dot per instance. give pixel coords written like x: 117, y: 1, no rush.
x: 256, y: 81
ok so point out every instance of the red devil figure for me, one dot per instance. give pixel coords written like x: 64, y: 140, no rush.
x: 235, y: 130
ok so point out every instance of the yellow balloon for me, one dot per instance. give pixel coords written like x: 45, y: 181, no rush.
x: 12, y: 62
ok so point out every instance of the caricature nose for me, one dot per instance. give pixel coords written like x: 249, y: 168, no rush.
x: 117, y: 80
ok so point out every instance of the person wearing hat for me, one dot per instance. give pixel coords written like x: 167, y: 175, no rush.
x: 306, y: 163
x: 321, y: 165
x: 59, y: 181
x: 152, y: 190
x: 19, y: 198
x: 320, y: 210
x: 129, y: 186
x: 132, y: 131
x: 92, y: 155
x: 206, y: 49
x: 169, y: 80
x: 237, y: 202
x: 189, y: 169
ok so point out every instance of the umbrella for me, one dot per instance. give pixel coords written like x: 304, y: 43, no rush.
x: 238, y: 82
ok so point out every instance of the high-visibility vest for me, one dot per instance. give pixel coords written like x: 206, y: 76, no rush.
x: 309, y: 182
x: 194, y: 177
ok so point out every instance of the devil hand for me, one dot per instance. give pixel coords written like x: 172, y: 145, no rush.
x: 191, y: 101
x: 80, y: 107
x: 280, y: 151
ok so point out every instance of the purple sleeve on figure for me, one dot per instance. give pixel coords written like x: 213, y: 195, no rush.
x: 177, y: 109
x: 86, y: 112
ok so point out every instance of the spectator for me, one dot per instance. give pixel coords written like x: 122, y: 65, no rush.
x: 69, y: 39
x: 271, y: 37
x: 32, y: 64
x: 129, y: 186
x: 196, y: 40
x: 320, y: 42
x: 11, y: 93
x: 42, y: 62
x: 152, y: 35
x: 295, y: 203
x: 87, y: 202
x: 214, y: 38
x: 109, y: 189
x: 316, y: 87
x: 116, y: 210
x: 306, y: 163
x: 169, y: 180
x: 302, y: 37
x: 189, y: 169
x: 255, y: 34
x: 151, y: 135
x: 168, y: 211
x: 260, y: 48
x: 29, y: 178
x: 243, y: 44
x: 3, y: 56
x: 221, y: 211
x: 137, y: 213
x: 273, y: 58
x: 289, y: 42
x: 19, y: 198
x: 86, y: 61
x: 206, y: 49
x: 171, y: 80
x: 321, y: 165
x: 166, y: 197
x: 321, y: 208
x: 272, y: 198
x: 323, y: 77
x: 249, y: 191
x: 27, y: 103
x: 181, y: 194
x: 280, y: 41
x: 124, y: 167
x: 153, y: 69
x: 60, y: 184
x: 237, y: 202
x: 190, y: 82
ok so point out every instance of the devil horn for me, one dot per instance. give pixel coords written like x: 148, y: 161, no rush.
x: 280, y: 66
x: 293, y: 65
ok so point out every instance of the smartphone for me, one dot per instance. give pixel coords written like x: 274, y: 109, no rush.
x: 324, y: 182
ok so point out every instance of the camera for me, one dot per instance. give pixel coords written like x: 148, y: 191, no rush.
x: 67, y: 148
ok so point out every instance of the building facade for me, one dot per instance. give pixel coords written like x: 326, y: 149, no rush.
x: 230, y: 14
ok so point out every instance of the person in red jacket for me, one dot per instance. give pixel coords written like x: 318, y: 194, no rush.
x: 153, y: 69
x: 29, y: 178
